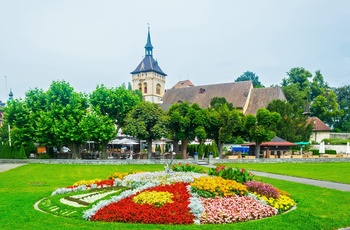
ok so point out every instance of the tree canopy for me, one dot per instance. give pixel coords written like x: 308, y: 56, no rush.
x: 250, y: 76
x: 114, y: 102
x: 293, y: 125
x: 186, y: 122
x: 222, y: 124
x: 146, y: 121
x: 300, y: 86
x: 260, y: 127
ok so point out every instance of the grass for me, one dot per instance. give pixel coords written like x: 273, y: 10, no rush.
x: 332, y: 171
x: 20, y: 188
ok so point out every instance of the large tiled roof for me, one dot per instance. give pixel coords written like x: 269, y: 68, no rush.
x: 236, y: 93
x: 261, y: 97
x: 148, y: 64
x: 318, y: 125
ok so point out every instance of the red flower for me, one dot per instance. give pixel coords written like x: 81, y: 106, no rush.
x: 127, y: 211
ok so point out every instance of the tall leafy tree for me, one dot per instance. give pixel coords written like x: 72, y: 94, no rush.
x: 298, y: 76
x: 250, y: 76
x: 114, y: 102
x: 325, y: 107
x: 342, y: 122
x: 146, y: 121
x: 296, y: 87
x: 50, y: 118
x: 318, y: 86
x: 186, y: 122
x: 222, y: 124
x: 18, y: 116
x: 98, y: 128
x: 260, y: 127
x: 301, y: 86
x: 293, y: 125
x: 58, y: 124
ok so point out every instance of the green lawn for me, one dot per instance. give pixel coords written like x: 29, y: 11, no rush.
x: 335, y: 171
x: 20, y: 188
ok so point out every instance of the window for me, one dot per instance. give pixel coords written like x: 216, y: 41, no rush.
x: 140, y: 87
x: 145, y: 87
x: 158, y: 89
x: 201, y: 90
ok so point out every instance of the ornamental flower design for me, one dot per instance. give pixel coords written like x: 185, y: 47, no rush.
x: 180, y: 197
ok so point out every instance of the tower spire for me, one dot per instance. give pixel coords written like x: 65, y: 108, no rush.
x: 148, y: 46
x: 307, y: 109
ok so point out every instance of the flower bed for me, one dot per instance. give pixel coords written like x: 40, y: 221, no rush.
x: 185, y: 197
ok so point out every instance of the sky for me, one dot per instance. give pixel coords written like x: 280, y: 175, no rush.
x: 93, y: 42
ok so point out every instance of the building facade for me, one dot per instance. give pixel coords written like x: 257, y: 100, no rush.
x: 148, y: 77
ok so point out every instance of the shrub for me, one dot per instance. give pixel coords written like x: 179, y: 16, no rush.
x: 21, y: 154
x: 44, y: 156
x: 186, y: 168
x: 229, y: 173
x: 6, y: 151
x: 336, y: 141
x: 330, y: 151
x: 262, y: 189
x: 315, y: 151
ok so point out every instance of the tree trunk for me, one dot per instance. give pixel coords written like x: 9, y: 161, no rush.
x: 104, y: 154
x: 74, y: 150
x: 149, y: 148
x: 184, y: 148
x: 220, y: 148
x: 176, y: 146
x: 257, y: 149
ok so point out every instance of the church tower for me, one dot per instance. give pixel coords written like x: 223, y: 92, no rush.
x: 148, y: 77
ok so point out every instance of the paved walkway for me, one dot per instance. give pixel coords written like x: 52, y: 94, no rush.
x: 319, y: 183
x: 5, y: 167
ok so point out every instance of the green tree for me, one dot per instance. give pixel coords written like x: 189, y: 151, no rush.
x: 342, y: 122
x: 318, y: 86
x: 114, y: 102
x: 326, y: 108
x: 260, y: 127
x: 58, y: 124
x: 222, y: 124
x: 216, y: 102
x: 296, y: 87
x: 293, y: 125
x: 21, y: 153
x: 146, y: 121
x: 186, y: 122
x: 98, y: 128
x: 301, y: 86
x: 250, y: 76
x: 19, y: 117
x: 298, y: 76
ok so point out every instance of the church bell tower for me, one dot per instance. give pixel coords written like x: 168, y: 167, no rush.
x: 148, y: 77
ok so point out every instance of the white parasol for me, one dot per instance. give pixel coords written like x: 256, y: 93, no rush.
x: 322, y: 148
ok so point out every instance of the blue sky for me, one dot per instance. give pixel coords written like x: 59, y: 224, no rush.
x: 88, y: 43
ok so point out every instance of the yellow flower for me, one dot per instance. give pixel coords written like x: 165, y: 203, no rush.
x: 157, y: 199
